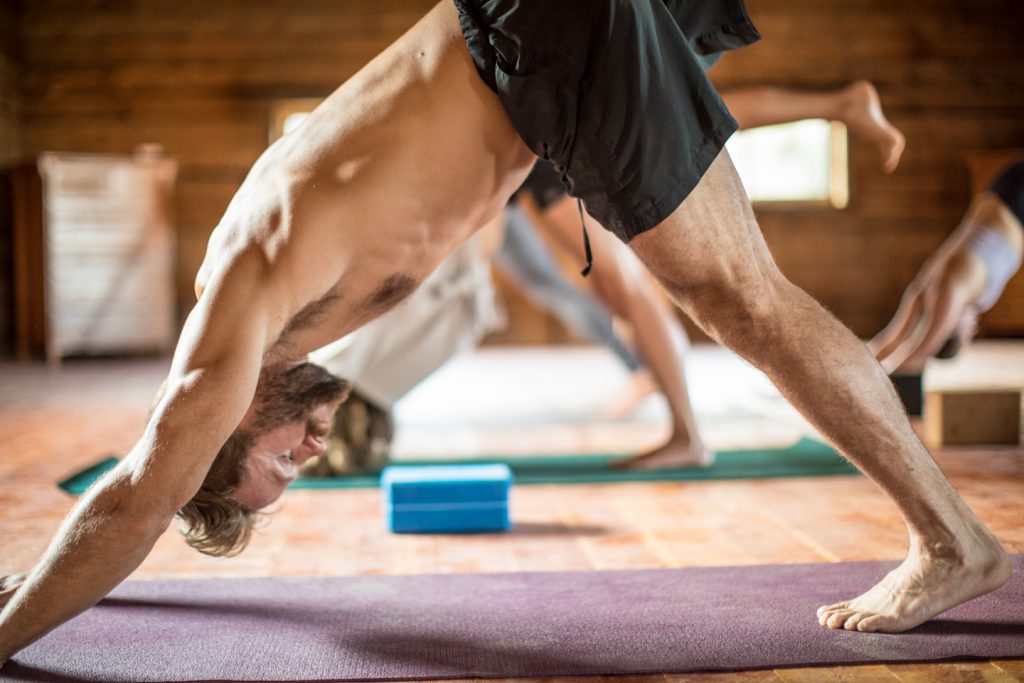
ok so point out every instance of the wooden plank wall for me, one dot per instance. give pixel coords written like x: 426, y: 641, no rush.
x: 949, y: 74
x: 10, y: 153
x: 10, y: 76
x: 199, y: 77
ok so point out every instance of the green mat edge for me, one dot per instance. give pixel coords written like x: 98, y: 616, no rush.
x: 77, y: 483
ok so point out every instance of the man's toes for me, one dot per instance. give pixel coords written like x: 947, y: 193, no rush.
x: 832, y: 608
x: 870, y: 624
x: 854, y: 620
x: 824, y: 614
x: 837, y: 619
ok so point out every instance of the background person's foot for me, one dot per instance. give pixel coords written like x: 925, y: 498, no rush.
x: 865, y: 118
x: 672, y: 455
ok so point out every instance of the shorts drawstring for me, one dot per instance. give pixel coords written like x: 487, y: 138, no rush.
x: 586, y: 241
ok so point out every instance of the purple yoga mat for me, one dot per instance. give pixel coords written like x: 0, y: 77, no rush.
x: 499, y: 625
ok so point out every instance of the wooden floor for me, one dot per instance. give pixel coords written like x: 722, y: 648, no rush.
x: 52, y: 423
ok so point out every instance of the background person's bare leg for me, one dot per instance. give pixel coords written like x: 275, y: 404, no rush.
x: 711, y: 257
x: 857, y: 105
x: 619, y: 282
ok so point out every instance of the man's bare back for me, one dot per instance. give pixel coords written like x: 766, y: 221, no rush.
x: 398, y: 166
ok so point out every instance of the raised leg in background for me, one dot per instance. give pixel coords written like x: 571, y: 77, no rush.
x: 711, y: 257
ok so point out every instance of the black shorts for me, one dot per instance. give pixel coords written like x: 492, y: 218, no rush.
x: 1009, y: 187
x: 544, y: 185
x: 614, y: 92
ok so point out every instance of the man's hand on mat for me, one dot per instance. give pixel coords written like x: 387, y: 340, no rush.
x: 678, y: 452
x: 8, y: 585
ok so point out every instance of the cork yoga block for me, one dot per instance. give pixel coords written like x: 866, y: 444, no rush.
x: 972, y: 418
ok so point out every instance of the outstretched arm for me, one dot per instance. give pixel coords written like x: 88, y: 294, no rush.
x: 112, y: 529
x: 902, y: 325
x: 938, y: 272
x: 942, y: 307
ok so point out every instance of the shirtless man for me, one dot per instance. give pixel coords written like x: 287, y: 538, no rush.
x: 397, y: 168
x: 964, y: 278
x: 453, y: 309
x: 384, y: 360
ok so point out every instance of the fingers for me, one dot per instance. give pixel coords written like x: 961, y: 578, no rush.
x: 8, y: 586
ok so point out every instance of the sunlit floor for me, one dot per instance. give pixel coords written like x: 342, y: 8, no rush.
x: 480, y: 403
x: 519, y: 401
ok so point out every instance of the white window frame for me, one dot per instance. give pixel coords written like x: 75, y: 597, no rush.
x: 837, y: 195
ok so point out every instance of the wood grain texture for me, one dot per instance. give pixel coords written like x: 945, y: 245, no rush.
x: 10, y: 153
x: 976, y: 417
x: 945, y: 78
x: 54, y: 423
x: 201, y: 78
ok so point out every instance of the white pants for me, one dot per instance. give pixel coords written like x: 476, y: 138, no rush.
x: 450, y: 312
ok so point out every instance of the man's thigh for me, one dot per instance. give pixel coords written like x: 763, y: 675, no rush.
x: 711, y: 239
x: 613, y: 92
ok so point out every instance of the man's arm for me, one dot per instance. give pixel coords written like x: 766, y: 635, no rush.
x: 943, y: 305
x: 902, y: 325
x: 115, y: 525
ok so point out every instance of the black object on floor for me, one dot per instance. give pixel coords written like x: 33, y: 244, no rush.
x: 911, y: 392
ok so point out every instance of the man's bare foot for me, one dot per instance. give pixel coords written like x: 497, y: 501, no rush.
x: 641, y: 385
x: 672, y: 455
x: 865, y: 118
x: 926, y: 584
x: 8, y: 585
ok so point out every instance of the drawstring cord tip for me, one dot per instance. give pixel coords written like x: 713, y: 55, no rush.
x: 586, y: 241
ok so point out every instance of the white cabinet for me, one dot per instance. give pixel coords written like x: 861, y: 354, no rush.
x: 109, y: 253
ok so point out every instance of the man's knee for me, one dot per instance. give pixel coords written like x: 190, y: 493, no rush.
x: 738, y: 312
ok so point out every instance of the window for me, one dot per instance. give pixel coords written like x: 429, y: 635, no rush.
x: 799, y: 163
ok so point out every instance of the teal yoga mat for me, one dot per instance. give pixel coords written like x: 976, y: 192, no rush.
x: 805, y: 458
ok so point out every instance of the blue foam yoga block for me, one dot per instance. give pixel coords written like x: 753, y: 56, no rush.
x: 446, y: 498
